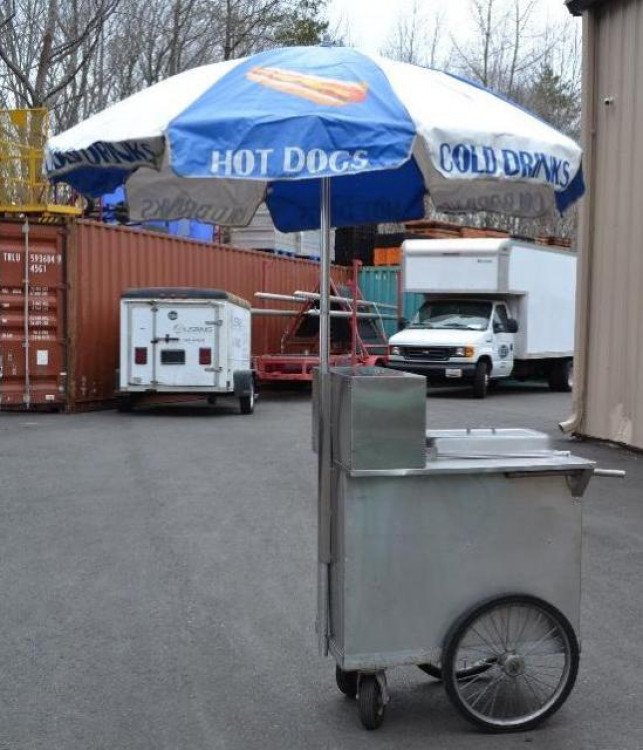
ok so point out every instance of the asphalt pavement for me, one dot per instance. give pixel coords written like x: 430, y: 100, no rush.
x: 157, y: 574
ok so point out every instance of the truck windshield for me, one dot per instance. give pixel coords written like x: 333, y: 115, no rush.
x: 460, y: 314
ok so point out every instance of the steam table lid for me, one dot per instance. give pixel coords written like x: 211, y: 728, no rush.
x: 488, y: 442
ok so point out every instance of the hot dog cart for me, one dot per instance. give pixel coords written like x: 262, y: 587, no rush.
x: 458, y: 551
x: 425, y: 543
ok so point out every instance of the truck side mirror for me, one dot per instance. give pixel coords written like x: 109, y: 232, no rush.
x: 402, y: 323
x: 512, y: 325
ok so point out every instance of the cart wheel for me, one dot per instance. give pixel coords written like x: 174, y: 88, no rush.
x: 371, y: 702
x: 431, y: 670
x: 346, y: 682
x: 247, y: 403
x: 532, y: 656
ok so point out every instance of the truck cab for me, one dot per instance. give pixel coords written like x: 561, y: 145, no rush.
x: 458, y: 340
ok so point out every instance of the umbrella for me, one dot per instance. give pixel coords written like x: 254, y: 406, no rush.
x: 323, y: 136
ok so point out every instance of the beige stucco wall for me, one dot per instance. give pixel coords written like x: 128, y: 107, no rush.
x: 609, y: 388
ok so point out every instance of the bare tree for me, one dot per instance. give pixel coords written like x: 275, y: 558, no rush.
x: 506, y: 44
x: 45, y: 44
x: 415, y: 38
x: 77, y: 56
x: 147, y: 43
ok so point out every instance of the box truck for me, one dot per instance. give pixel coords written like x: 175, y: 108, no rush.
x: 185, y: 341
x: 493, y: 309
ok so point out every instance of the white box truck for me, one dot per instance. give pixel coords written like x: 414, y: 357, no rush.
x: 184, y: 340
x: 493, y: 309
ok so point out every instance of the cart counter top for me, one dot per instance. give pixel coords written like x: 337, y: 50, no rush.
x: 552, y: 462
x: 491, y: 451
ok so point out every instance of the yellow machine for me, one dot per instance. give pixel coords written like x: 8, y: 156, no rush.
x: 23, y: 186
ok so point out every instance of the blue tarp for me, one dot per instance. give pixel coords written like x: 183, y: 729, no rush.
x: 189, y: 228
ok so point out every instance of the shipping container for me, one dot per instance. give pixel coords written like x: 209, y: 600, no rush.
x: 32, y: 317
x: 75, y: 275
x: 382, y: 284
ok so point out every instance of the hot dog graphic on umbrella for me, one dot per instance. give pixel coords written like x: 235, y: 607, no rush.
x: 328, y: 91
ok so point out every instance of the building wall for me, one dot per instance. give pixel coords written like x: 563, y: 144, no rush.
x: 609, y: 393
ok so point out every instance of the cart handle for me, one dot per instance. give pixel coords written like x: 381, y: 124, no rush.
x: 611, y: 473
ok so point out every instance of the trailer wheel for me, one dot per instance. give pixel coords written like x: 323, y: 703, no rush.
x: 371, y: 702
x: 561, y: 376
x: 346, y: 682
x: 247, y: 403
x: 533, y: 655
x: 124, y: 404
x: 481, y: 380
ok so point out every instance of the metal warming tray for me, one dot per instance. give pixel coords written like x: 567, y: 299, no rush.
x: 491, y: 443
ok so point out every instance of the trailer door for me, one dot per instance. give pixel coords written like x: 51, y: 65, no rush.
x: 186, y: 344
x: 140, y: 350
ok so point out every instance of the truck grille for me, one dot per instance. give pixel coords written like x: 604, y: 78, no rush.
x: 433, y: 353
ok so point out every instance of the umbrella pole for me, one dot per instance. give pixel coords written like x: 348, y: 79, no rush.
x: 324, y: 452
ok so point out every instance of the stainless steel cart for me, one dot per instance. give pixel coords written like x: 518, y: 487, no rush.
x: 458, y: 551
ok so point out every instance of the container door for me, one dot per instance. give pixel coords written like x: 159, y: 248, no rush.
x: 32, y: 302
x: 140, y: 349
x: 186, y: 344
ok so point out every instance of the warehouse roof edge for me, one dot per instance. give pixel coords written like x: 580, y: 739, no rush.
x: 576, y: 7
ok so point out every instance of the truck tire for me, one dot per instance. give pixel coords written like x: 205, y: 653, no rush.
x: 481, y: 380
x: 561, y: 375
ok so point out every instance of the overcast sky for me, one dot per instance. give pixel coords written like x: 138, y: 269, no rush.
x: 370, y: 21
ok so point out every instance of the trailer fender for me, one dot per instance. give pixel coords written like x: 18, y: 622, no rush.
x: 243, y: 382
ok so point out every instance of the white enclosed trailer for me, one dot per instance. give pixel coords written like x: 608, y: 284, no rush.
x: 494, y: 308
x: 185, y: 341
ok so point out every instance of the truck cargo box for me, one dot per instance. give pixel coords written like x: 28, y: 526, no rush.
x: 538, y: 282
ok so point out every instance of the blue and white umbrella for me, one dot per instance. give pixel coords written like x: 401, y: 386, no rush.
x: 324, y: 136
x: 270, y: 126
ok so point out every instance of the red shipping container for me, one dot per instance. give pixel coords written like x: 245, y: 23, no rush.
x: 32, y: 366
x: 76, y: 274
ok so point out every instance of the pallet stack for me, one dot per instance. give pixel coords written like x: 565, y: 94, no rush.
x: 388, y: 250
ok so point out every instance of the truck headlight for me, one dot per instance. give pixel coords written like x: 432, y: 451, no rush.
x: 465, y: 351
x: 395, y: 350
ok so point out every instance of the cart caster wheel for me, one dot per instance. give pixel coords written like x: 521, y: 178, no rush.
x: 530, y: 654
x: 371, y: 702
x: 346, y: 682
